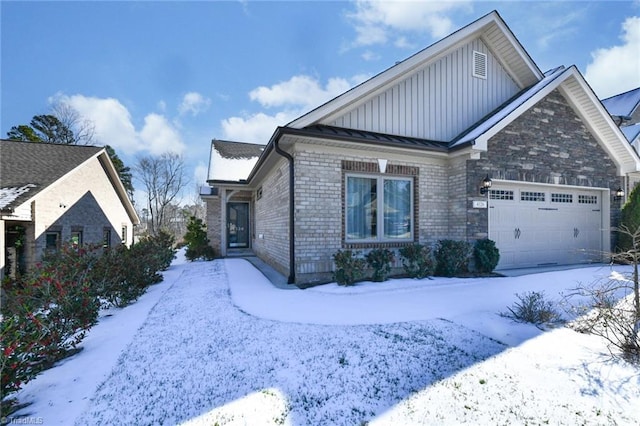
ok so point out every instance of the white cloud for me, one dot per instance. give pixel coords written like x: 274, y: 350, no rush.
x: 376, y: 21
x: 368, y: 55
x: 158, y: 136
x: 200, y: 174
x: 617, y: 69
x: 256, y: 128
x: 114, y: 126
x: 300, y: 90
x: 295, y: 97
x: 194, y: 103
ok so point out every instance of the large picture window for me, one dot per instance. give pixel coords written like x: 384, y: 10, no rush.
x: 378, y: 208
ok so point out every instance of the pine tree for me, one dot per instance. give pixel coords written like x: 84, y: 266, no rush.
x: 197, y: 242
x: 629, y: 220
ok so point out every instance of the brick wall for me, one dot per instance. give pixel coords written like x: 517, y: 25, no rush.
x: 271, y: 230
x: 214, y: 222
x: 320, y: 209
x: 84, y: 200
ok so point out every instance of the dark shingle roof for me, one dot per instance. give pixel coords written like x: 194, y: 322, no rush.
x: 38, y: 165
x: 237, y: 150
x: 341, y: 133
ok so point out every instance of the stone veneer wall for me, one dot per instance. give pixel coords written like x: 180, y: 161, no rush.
x: 271, y: 213
x: 547, y: 144
x: 320, y: 211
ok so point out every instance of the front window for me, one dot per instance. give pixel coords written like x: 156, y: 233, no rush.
x: 379, y: 208
x: 76, y: 239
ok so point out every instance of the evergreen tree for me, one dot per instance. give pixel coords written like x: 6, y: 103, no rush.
x: 197, y: 242
x: 629, y: 220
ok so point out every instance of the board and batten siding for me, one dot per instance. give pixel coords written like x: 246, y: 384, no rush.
x: 437, y: 102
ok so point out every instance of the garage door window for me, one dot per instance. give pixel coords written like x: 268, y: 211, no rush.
x: 561, y: 198
x: 587, y: 199
x: 501, y: 194
x: 531, y: 196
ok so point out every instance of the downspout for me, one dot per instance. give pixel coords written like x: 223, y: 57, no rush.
x: 292, y: 248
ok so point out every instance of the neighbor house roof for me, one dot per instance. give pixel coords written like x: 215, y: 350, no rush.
x: 624, y: 104
x: 26, y: 168
x: 631, y: 132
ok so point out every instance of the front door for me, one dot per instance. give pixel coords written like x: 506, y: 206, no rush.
x: 238, y: 225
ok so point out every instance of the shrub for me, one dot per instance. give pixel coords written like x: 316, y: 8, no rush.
x: 486, y: 255
x: 46, y: 315
x: 349, y: 268
x: 197, y: 242
x: 380, y: 260
x: 119, y: 277
x: 417, y: 260
x: 532, y: 307
x: 452, y: 257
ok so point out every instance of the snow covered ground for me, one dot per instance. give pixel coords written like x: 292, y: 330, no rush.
x: 217, y: 343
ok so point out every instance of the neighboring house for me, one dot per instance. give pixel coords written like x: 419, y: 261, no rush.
x: 51, y: 194
x: 625, y: 111
x: 401, y: 158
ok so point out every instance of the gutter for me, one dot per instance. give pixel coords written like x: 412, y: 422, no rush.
x: 292, y: 248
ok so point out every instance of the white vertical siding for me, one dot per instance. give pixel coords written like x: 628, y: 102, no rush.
x: 437, y: 102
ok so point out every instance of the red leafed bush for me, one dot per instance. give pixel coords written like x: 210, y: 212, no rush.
x: 45, y: 314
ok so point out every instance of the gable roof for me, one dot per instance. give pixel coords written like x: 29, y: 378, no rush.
x: 493, y: 30
x: 624, y: 104
x: 33, y: 166
x: 631, y: 132
x: 28, y: 168
x: 237, y: 150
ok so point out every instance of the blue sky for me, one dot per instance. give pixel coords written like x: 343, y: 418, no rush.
x: 158, y: 76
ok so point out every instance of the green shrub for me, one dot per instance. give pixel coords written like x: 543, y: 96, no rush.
x: 486, y: 255
x: 452, y: 257
x: 417, y: 260
x: 197, y: 242
x: 380, y: 260
x: 532, y: 307
x: 349, y: 267
x: 46, y: 315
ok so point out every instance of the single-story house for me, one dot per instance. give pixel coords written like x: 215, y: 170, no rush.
x: 467, y: 139
x: 53, y: 193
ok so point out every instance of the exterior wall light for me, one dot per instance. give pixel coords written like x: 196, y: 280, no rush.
x: 619, y: 194
x: 485, y: 185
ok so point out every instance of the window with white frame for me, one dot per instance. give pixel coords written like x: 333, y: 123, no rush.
x: 378, y: 208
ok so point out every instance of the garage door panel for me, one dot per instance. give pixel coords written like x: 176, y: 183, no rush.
x: 545, y: 225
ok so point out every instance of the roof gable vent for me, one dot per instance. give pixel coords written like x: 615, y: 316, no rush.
x: 479, y: 64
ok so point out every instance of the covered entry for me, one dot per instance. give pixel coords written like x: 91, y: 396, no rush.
x: 535, y: 225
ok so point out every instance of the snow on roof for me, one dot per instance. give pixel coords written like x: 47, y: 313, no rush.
x: 233, y: 161
x: 9, y: 195
x: 623, y: 104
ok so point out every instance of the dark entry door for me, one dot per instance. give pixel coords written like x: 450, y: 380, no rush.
x: 237, y: 225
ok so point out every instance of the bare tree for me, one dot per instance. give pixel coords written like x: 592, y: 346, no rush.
x: 83, y: 129
x: 163, y: 178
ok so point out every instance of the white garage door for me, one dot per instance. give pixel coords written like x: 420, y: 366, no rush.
x: 545, y: 225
